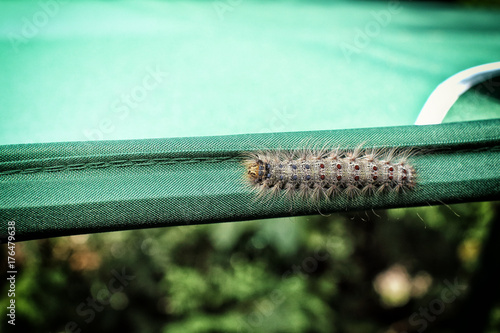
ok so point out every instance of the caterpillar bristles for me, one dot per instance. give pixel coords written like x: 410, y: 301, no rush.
x: 321, y: 173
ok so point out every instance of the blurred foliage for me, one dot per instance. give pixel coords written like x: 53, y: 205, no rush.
x: 358, y: 272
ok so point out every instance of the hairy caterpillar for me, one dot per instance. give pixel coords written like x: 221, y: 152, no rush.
x: 323, y: 173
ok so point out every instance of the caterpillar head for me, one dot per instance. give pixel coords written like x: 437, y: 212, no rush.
x: 255, y: 170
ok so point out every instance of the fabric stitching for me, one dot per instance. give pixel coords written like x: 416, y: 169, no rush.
x: 120, y: 164
x: 161, y: 161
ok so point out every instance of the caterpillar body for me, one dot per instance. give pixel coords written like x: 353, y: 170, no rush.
x: 317, y: 174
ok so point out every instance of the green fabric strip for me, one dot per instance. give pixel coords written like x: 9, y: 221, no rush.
x: 55, y: 189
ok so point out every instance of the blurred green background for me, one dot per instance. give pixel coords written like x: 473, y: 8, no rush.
x: 115, y: 70
x: 402, y: 270
x: 356, y: 272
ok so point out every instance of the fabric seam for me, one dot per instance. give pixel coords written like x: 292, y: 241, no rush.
x: 157, y: 161
x: 120, y: 164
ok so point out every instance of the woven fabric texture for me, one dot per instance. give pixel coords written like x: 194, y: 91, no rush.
x: 81, y: 187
